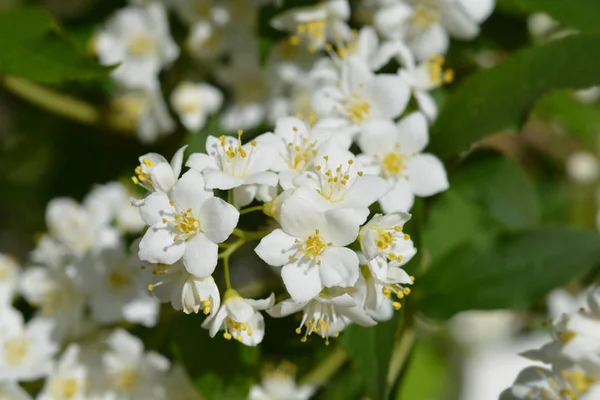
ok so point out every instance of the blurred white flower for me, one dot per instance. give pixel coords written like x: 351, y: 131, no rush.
x: 9, y: 278
x: 12, y: 391
x: 278, y: 383
x: 69, y: 378
x: 583, y: 167
x: 111, y: 203
x: 194, y: 102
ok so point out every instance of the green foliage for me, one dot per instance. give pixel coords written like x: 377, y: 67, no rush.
x: 582, y: 15
x: 426, y: 376
x: 370, y: 350
x: 212, y: 387
x: 499, y: 97
x: 515, y: 271
x: 32, y: 46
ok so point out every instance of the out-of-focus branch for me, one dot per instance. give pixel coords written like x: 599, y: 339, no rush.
x: 323, y: 372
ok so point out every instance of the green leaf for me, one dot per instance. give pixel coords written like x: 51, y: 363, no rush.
x: 582, y: 15
x: 32, y: 47
x: 426, y: 376
x: 499, y: 185
x: 502, y: 96
x: 370, y: 350
x: 514, y: 272
x: 213, y: 387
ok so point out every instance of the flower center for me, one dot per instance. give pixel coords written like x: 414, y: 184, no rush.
x: 234, y: 329
x: 126, y: 380
x: 185, y: 223
x: 317, y: 319
x: 394, y: 164
x: 119, y: 280
x: 335, y: 182
x: 68, y: 388
x: 233, y: 158
x: 579, y: 383
x: 16, y: 350
x: 426, y: 13
x: 311, y: 31
x: 314, y: 245
x: 126, y: 110
x: 437, y: 73
x: 358, y: 109
x: 142, y: 45
x: 301, y: 152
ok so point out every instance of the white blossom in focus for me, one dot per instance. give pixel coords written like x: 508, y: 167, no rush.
x: 188, y: 223
x: 383, y: 236
x: 138, y: 39
x: 240, y: 318
x: 394, y: 151
x: 156, y: 174
x: 194, y: 102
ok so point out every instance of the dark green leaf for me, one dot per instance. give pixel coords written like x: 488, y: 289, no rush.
x: 370, y: 350
x: 582, y: 15
x: 499, y: 97
x: 515, y: 272
x: 32, y: 47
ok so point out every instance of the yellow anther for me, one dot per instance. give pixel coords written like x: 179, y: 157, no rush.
x: 150, y: 287
x: 227, y: 335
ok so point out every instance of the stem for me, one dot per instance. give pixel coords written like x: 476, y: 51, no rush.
x: 226, y: 271
x: 225, y: 256
x: 248, y: 235
x: 251, y: 209
x: 400, y: 354
x: 323, y: 372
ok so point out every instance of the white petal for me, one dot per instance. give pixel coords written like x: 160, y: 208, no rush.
x: 378, y: 136
x: 276, y: 248
x: 217, y: 179
x: 239, y: 309
x: 399, y: 198
x: 189, y: 191
x: 427, y: 105
x: 339, y: 267
x: 341, y: 226
x: 162, y: 177
x: 262, y: 304
x: 262, y: 178
x: 367, y: 245
x: 427, y: 175
x: 200, y: 257
x: 433, y: 41
x: 413, y: 133
x: 388, y: 95
x: 218, y: 219
x: 300, y: 215
x: 285, y: 308
x: 479, y: 10
x: 365, y: 191
x: 303, y: 282
x: 459, y: 23
x: 158, y: 246
x: 200, y: 162
x: 177, y: 161
x: 154, y: 208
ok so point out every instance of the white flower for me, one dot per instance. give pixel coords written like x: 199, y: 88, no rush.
x: 279, y: 383
x: 583, y: 167
x: 49, y: 251
x: 117, y: 289
x: 423, y: 77
x: 365, y: 46
x: 541, y: 25
x: 565, y: 384
x: 383, y: 236
x: 240, y: 318
x: 188, y: 223
x: 144, y: 112
x: 325, y: 315
x: 361, y: 96
x: 341, y: 184
x: 111, y: 203
x: 192, y: 11
x: 194, y: 102
x: 425, y: 25
x: 26, y: 351
x: 310, y: 247
x: 59, y: 298
x: 298, y: 145
x: 231, y: 165
x: 12, y: 391
x: 156, y: 174
x: 69, y: 378
x: 133, y: 374
x: 394, y: 152
x: 138, y: 39
x: 9, y: 278
x: 317, y: 24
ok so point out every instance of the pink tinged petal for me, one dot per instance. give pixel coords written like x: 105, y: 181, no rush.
x: 378, y: 136
x: 200, y: 257
x: 388, y: 95
x: 434, y: 40
x: 285, y: 308
x: 301, y: 213
x: 340, y: 226
x: 218, y: 219
x: 200, y: 162
x: 177, y: 161
x: 399, y: 198
x: 426, y: 104
x: 217, y: 179
x: 365, y: 191
x: 276, y: 248
x: 303, y: 282
x: 189, y: 191
x: 413, y: 133
x: 262, y: 178
x: 155, y: 207
x: 339, y: 267
x: 158, y: 245
x: 427, y: 175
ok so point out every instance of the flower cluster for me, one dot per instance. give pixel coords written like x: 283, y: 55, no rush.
x: 573, y: 357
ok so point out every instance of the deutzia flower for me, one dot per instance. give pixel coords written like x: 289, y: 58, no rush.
x: 194, y: 102
x: 278, y: 383
x: 310, y: 247
x: 111, y: 202
x: 325, y: 315
x: 9, y: 278
x: 12, y: 391
x: 425, y: 25
x: 188, y: 223
x: 138, y: 39
x: 340, y: 183
x: 240, y: 318
x: 133, y: 374
x: 143, y: 111
x: 383, y: 235
x: 361, y: 96
x: 156, y: 174
x: 69, y: 378
x: 231, y: 165
x: 26, y: 351
x: 365, y: 46
x: 394, y: 152
x: 317, y: 24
